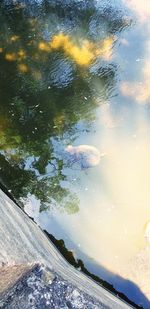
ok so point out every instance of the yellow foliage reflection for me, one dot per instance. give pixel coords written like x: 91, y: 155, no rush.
x: 83, y: 55
x: 22, y: 54
x: 44, y: 47
x: 23, y: 68
x: 11, y: 57
x: 14, y: 38
x: 61, y: 41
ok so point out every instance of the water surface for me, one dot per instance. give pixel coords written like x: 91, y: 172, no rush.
x: 77, y: 73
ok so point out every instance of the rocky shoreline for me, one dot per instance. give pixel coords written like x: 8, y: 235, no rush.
x: 35, y: 275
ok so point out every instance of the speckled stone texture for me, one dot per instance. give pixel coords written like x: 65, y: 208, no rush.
x: 40, y: 288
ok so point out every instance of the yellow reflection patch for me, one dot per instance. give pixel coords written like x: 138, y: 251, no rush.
x: 44, y: 47
x: 21, y: 54
x: 10, y: 56
x: 81, y: 55
x: 23, y: 68
x: 1, y: 49
x: 61, y: 41
x: 85, y: 54
x: 14, y: 38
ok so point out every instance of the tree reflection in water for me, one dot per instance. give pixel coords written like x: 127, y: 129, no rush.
x: 51, y: 56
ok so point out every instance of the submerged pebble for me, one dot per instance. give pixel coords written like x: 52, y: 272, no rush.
x: 84, y: 156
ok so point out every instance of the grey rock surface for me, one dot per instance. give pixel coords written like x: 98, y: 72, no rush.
x: 55, y: 285
x: 40, y: 288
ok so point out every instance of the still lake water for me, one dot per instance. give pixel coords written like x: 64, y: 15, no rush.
x: 78, y: 73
